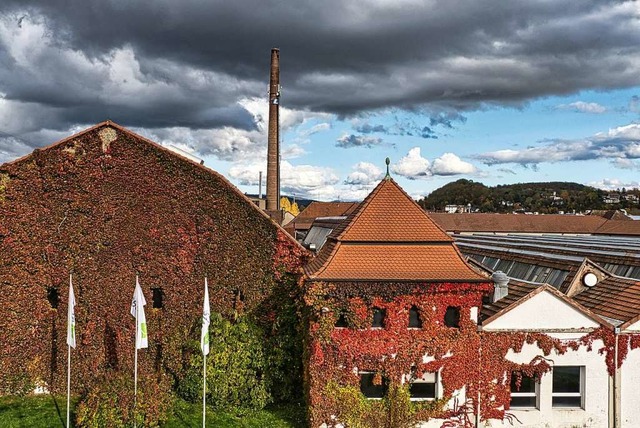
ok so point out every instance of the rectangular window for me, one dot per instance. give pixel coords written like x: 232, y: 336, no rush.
x: 424, y: 388
x: 52, y: 297
x: 568, y: 386
x: 369, y: 388
x: 525, y: 395
x: 157, y: 297
x: 452, y: 317
x: 378, y: 318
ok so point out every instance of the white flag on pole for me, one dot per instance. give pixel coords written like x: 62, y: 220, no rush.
x: 206, y: 317
x: 137, y: 311
x: 71, y: 317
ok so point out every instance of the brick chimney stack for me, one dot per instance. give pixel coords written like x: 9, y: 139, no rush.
x: 273, y: 139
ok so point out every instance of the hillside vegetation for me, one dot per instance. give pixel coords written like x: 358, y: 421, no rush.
x: 549, y: 197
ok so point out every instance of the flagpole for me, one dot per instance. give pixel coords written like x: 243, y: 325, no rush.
x: 204, y: 345
x: 204, y: 390
x: 135, y: 368
x: 69, y: 361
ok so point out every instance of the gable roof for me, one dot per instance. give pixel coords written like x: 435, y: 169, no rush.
x: 390, y: 238
x: 109, y: 124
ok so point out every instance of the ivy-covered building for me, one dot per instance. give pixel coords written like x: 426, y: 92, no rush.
x: 107, y: 204
x: 393, y: 315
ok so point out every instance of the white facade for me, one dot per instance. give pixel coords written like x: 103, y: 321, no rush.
x: 547, y: 312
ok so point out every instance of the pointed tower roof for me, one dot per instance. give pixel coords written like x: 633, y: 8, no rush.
x: 389, y: 237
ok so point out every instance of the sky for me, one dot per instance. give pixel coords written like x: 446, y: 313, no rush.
x: 492, y: 91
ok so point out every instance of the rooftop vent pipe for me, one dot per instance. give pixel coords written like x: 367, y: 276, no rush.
x: 501, y: 285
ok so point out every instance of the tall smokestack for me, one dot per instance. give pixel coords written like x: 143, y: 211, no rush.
x: 273, y: 148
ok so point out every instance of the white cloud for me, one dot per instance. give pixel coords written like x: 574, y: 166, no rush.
x: 583, y: 107
x: 450, y: 164
x: 618, y: 143
x: 364, y: 173
x: 301, y: 180
x: 614, y: 184
x: 413, y: 165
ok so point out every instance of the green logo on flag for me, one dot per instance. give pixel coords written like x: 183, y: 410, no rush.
x: 206, y: 338
x: 143, y: 330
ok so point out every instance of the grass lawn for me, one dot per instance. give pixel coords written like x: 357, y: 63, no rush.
x: 50, y: 412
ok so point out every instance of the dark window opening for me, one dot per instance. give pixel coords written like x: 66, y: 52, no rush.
x: 341, y: 321
x: 414, y: 318
x: 523, y: 395
x: 423, y: 388
x: 52, y: 297
x: 452, y: 317
x: 157, y: 298
x: 378, y: 317
x: 369, y: 389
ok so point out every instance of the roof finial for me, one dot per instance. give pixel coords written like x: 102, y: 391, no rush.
x: 388, y: 176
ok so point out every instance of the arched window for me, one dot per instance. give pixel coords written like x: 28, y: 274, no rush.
x: 341, y: 321
x: 414, y: 318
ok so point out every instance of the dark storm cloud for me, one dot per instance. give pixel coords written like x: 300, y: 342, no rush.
x: 193, y: 60
x: 368, y: 128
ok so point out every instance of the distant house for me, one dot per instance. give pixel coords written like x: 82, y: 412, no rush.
x: 611, y: 198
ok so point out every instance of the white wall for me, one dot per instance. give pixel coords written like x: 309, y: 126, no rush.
x: 596, y: 387
x: 630, y: 395
x: 541, y: 312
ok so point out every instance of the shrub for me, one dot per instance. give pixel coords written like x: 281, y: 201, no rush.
x: 110, y: 402
x: 236, y: 365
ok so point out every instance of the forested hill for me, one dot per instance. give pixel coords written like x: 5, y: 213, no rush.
x: 534, y: 197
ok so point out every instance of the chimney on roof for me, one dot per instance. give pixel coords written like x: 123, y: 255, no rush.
x: 273, y: 147
x: 501, y: 285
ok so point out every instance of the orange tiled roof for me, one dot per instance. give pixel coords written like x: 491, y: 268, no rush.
x: 390, y: 238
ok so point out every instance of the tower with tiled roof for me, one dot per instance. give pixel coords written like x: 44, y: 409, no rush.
x: 392, y: 306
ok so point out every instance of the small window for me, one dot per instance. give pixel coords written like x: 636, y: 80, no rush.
x: 378, y: 317
x: 52, y: 297
x: 568, y: 386
x: 424, y: 388
x: 341, y: 321
x: 525, y: 394
x: 369, y: 389
x: 414, y: 318
x: 452, y: 317
x: 157, y: 298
